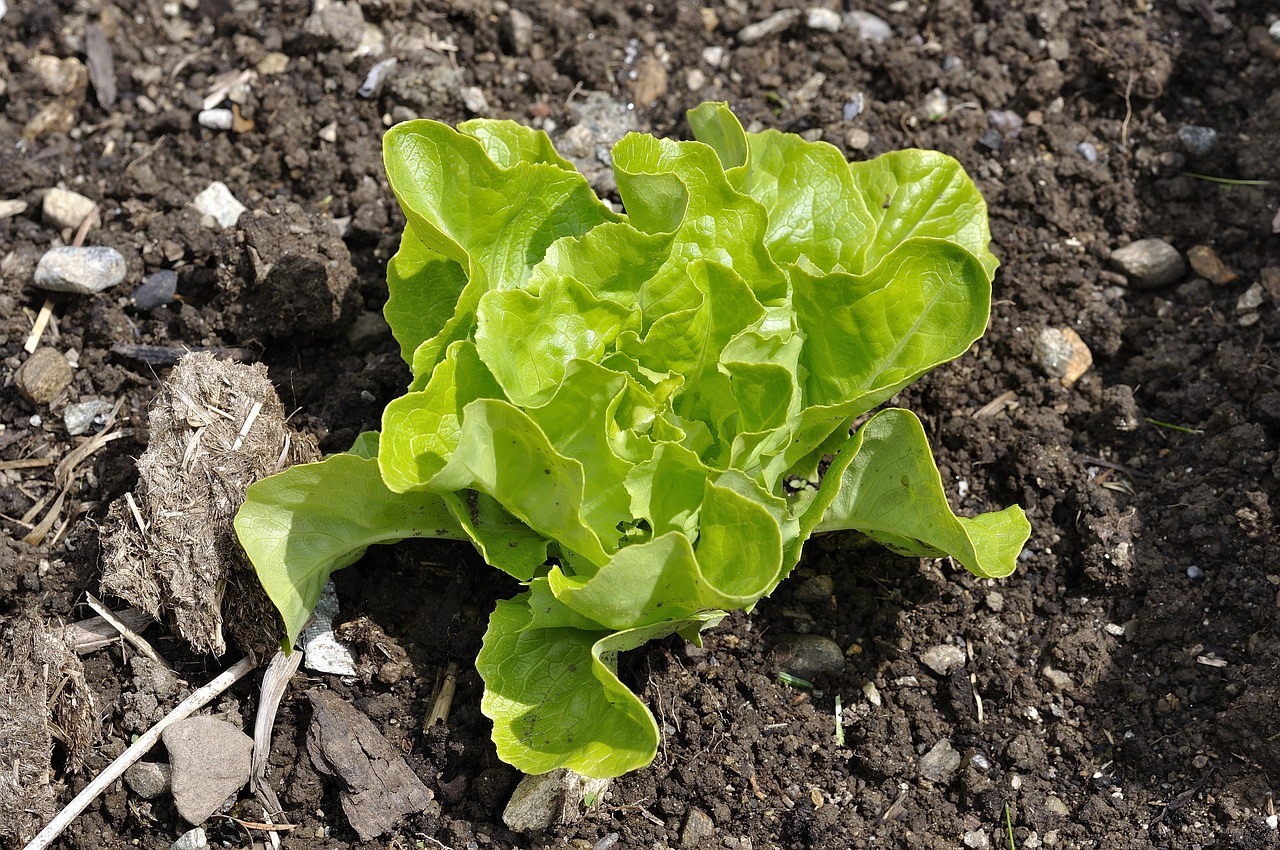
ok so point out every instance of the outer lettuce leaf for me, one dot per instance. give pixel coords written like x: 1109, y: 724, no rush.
x: 306, y: 522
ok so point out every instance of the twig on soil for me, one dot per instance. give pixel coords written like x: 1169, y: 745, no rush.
x: 444, y: 700
x: 26, y: 463
x: 137, y: 750
x: 895, y: 808
x: 1005, y: 401
x: 248, y: 424
x: 37, y: 329
x: 135, y: 640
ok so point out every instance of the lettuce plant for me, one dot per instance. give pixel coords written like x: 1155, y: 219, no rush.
x: 643, y: 416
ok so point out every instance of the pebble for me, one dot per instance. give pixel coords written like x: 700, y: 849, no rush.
x: 83, y: 271
x: 940, y: 763
x: 1251, y: 299
x: 995, y: 601
x: 1149, y: 263
x: 61, y: 77
x: 815, y: 591
x: 324, y: 653
x: 809, y: 656
x: 193, y: 840
x: 936, y: 104
x: 373, y: 80
x: 1274, y: 32
x: 857, y: 139
x: 210, y: 760
x: 63, y: 208
x: 10, y: 208
x: 537, y: 801
x: 943, y: 658
x: 156, y: 290
x: 216, y: 119
x: 1057, y: 679
x: 713, y: 55
x: 872, y: 693
x: 517, y: 32
x: 1197, y: 140
x: 148, y: 779
x: 1062, y: 354
x: 43, y: 376
x: 79, y: 417
x: 869, y: 27
x: 1054, y: 805
x: 698, y: 829
x: 1205, y: 262
x: 695, y: 80
x: 217, y: 202
x: 976, y: 839
x: 474, y: 100
x: 824, y: 20
x: 772, y: 25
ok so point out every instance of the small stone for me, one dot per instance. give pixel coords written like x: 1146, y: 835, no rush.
x: 43, y: 376
x: 869, y: 27
x: 1057, y: 679
x: 815, y: 591
x: 217, y: 202
x: 10, y: 208
x: 695, y: 80
x: 713, y: 55
x: 940, y: 763
x: 872, y: 693
x: 1062, y: 354
x: 148, y: 779
x: 474, y: 100
x: 995, y: 601
x: 824, y: 20
x: 83, y: 271
x: 79, y: 418
x: 1205, y: 262
x: 976, y: 839
x: 936, y: 104
x: 857, y: 139
x: 192, y: 840
x: 156, y: 290
x: 328, y: 133
x: 372, y: 83
x: 272, y: 64
x: 651, y: 81
x: 537, y: 801
x: 210, y: 760
x: 698, y: 829
x: 63, y: 208
x: 1251, y: 299
x: 216, y: 119
x: 1198, y: 141
x: 1055, y: 806
x: 772, y: 25
x: 810, y: 656
x: 942, y: 659
x: 1149, y: 263
x: 61, y: 77
x: 516, y: 33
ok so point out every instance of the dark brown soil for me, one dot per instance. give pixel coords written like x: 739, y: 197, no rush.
x: 1119, y: 691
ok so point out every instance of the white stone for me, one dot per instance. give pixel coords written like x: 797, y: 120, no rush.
x: 826, y: 20
x: 64, y: 208
x: 869, y: 27
x: 772, y: 25
x: 942, y: 659
x: 218, y: 202
x: 194, y: 839
x: 216, y: 119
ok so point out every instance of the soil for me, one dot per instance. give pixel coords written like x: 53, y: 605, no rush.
x: 1119, y: 691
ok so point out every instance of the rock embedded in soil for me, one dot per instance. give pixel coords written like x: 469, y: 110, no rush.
x: 217, y: 202
x: 869, y: 27
x: 194, y: 839
x: 698, y: 829
x: 156, y: 290
x: 940, y: 763
x: 1149, y: 263
x: 148, y: 779
x: 772, y: 25
x: 516, y: 32
x: 43, y: 376
x: 80, y: 270
x: 809, y: 656
x: 822, y: 19
x: 942, y: 659
x: 63, y: 208
x: 210, y: 761
x: 1196, y: 140
x: 1206, y: 263
x: 78, y: 418
x: 1062, y: 354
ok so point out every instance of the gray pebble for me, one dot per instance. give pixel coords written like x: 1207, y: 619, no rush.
x: 83, y: 271
x: 698, y: 829
x: 815, y: 591
x: 772, y: 25
x: 1149, y: 263
x: 824, y: 20
x: 1057, y: 679
x: 942, y: 659
x: 43, y: 376
x: 1198, y: 141
x: 192, y: 840
x: 156, y: 290
x: 869, y: 27
x: 147, y: 779
x: 537, y: 801
x: 217, y: 202
x: 517, y: 32
x: 976, y: 839
x: 809, y: 656
x: 940, y: 763
x: 63, y: 208
x: 210, y: 759
x: 79, y: 418
x: 1087, y: 150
